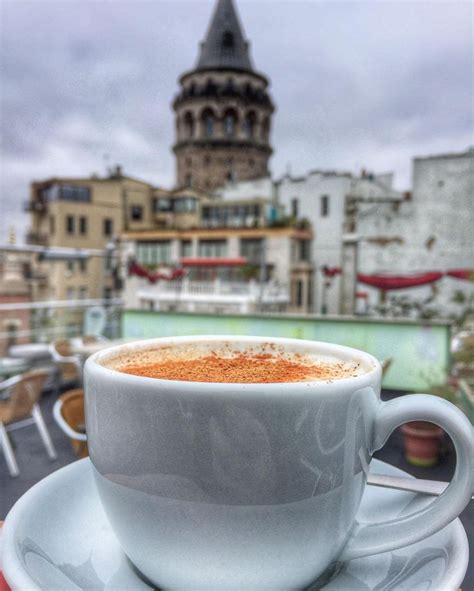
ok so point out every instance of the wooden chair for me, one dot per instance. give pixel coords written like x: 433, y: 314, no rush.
x: 68, y: 412
x: 68, y: 364
x: 21, y: 409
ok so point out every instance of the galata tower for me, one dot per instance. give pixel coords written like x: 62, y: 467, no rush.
x: 223, y: 110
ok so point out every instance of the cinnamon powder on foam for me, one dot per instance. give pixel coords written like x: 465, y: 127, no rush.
x: 256, y: 369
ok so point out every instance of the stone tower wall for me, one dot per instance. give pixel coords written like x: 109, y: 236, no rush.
x: 206, y: 160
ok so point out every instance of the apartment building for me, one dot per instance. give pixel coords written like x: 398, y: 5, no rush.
x: 90, y: 213
x: 241, y: 256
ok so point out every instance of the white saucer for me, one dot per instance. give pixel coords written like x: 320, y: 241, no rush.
x: 57, y: 538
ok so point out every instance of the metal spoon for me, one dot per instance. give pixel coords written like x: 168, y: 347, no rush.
x: 433, y: 488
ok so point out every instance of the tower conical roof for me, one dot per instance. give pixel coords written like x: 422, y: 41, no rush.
x: 225, y: 45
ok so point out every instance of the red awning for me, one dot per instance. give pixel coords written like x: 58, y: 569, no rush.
x: 467, y: 274
x: 213, y: 262
x: 387, y: 282
x: 135, y: 268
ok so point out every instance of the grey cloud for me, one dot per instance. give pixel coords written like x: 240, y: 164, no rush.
x: 356, y: 84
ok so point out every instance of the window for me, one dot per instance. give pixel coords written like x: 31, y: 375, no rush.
x: 83, y: 265
x: 107, y: 293
x: 189, y: 180
x: 70, y: 293
x: 295, y: 207
x: 208, y: 121
x: 50, y: 193
x: 51, y: 224
x: 70, y: 224
x: 249, y: 125
x: 185, y: 205
x: 83, y: 293
x: 212, y: 248
x: 108, y: 227
x: 163, y: 204
x: 304, y: 250
x: 70, y: 266
x: 136, y: 212
x: 229, y: 124
x: 74, y: 193
x: 154, y: 253
x: 251, y: 249
x: 82, y: 225
x: 324, y: 206
x: 299, y: 293
x: 189, y: 125
x: 185, y: 248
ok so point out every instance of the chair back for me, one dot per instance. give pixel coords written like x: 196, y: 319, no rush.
x: 72, y: 411
x: 63, y: 348
x: 24, y: 395
x: 62, y: 354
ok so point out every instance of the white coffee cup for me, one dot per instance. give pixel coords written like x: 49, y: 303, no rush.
x: 252, y: 486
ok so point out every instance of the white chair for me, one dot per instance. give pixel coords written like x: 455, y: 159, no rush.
x: 68, y: 364
x: 21, y: 409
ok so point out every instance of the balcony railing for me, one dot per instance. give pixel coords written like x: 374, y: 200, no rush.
x: 35, y: 206
x: 186, y: 294
x: 45, y: 321
x: 40, y: 238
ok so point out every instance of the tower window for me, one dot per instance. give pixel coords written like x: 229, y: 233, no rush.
x: 228, y: 39
x: 189, y: 125
x: 249, y: 125
x: 208, y: 120
x: 230, y: 124
x: 189, y: 180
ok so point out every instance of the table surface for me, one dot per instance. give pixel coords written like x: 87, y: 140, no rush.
x: 29, y: 350
x: 10, y: 366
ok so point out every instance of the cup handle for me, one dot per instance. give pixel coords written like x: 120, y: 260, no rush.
x: 375, y: 538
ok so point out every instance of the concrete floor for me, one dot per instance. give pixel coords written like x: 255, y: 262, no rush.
x: 34, y: 465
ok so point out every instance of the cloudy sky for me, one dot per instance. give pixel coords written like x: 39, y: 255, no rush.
x: 86, y: 84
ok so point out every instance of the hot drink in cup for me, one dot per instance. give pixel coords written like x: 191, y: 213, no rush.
x: 240, y: 462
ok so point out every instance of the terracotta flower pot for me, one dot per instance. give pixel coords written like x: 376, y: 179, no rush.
x: 422, y: 443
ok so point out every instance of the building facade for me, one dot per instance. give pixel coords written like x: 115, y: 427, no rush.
x: 223, y: 110
x: 85, y: 213
x: 242, y: 256
x: 320, y: 197
x: 430, y: 232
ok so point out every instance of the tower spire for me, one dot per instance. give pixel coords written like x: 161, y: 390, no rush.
x: 225, y: 45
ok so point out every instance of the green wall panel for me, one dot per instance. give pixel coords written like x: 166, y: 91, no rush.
x: 420, y: 351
